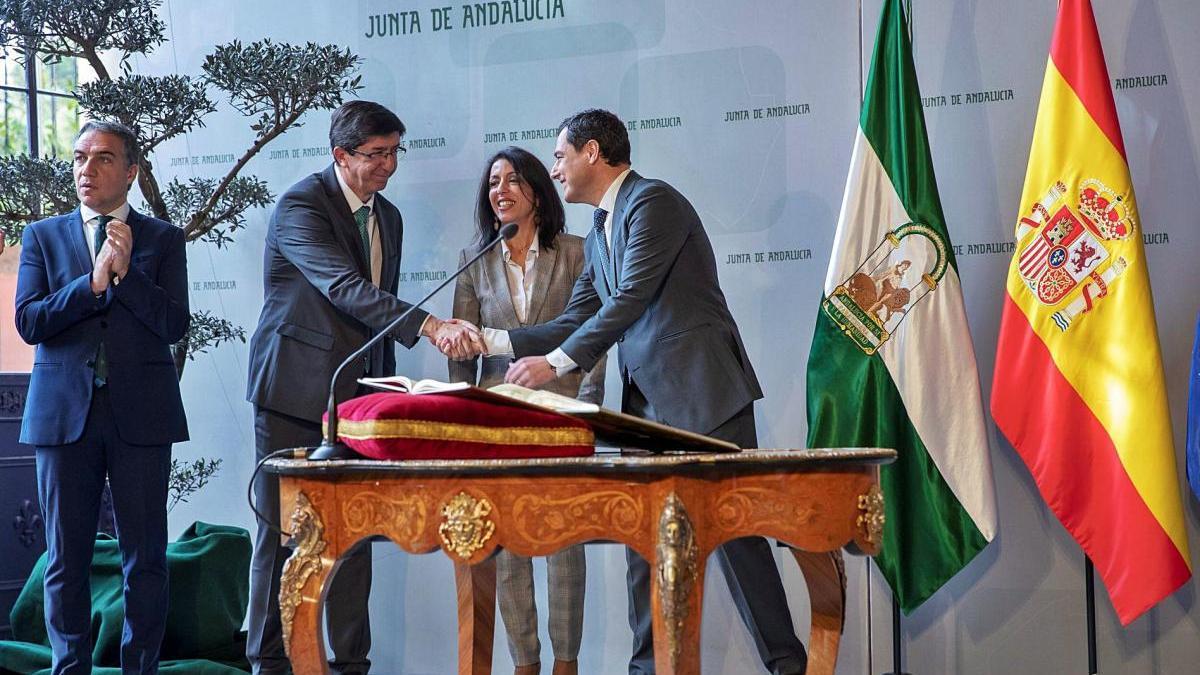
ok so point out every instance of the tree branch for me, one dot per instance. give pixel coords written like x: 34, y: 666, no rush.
x: 196, y: 226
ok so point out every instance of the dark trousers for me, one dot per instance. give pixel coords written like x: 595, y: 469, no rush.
x: 70, y: 481
x: 746, y: 563
x: 349, y: 589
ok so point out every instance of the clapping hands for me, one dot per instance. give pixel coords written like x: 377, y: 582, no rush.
x: 113, y: 257
x: 457, y: 339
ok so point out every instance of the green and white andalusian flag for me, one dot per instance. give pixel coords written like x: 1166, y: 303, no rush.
x: 891, y: 363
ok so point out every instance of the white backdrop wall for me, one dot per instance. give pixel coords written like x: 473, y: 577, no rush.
x: 683, y: 72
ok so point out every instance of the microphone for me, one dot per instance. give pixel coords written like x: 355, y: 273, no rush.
x: 330, y: 447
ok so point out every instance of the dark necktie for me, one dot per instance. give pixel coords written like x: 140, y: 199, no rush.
x: 101, y: 232
x: 598, y: 218
x: 361, y: 217
x: 100, y: 365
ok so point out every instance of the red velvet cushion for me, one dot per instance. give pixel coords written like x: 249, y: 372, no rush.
x: 391, y: 425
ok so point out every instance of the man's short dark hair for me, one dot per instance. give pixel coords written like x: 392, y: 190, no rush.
x: 356, y: 121
x: 128, y: 138
x: 603, y: 127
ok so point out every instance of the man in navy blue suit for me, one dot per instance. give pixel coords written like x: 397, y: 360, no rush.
x: 102, y: 292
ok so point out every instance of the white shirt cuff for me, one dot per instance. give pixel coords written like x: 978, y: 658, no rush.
x: 561, y: 362
x: 421, y: 330
x: 497, y: 342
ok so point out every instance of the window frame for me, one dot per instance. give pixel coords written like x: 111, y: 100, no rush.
x: 31, y: 92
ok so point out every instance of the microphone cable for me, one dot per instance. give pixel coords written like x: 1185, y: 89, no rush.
x: 295, y: 453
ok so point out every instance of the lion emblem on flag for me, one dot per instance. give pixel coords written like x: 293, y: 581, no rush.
x: 1069, y: 248
x: 870, y: 305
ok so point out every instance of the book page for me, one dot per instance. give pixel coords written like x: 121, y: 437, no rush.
x: 403, y: 384
x: 546, y: 399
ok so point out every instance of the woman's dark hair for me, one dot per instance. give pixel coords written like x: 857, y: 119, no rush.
x: 548, y: 208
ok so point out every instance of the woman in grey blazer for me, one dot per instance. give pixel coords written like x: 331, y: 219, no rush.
x: 525, y: 281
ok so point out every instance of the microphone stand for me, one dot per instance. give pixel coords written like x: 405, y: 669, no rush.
x: 330, y: 447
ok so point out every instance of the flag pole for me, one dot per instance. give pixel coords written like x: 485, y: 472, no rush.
x: 896, y: 618
x: 1089, y: 574
x: 870, y: 607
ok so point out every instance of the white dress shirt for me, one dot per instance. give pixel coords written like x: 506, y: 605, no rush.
x: 497, y: 341
x: 520, y: 279
x: 372, y: 228
x: 90, y: 224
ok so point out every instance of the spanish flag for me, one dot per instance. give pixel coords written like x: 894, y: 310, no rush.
x: 1079, y: 388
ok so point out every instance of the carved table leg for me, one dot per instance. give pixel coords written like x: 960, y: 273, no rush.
x: 300, y: 590
x: 825, y: 575
x: 676, y: 632
x: 476, y: 615
x: 676, y: 586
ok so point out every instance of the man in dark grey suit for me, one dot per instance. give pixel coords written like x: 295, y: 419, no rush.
x: 650, y: 286
x: 330, y: 271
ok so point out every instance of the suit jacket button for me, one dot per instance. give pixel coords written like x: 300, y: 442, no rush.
x: 90, y: 363
x: 621, y: 339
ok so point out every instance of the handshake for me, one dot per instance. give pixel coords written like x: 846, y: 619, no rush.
x: 461, y: 340
x: 457, y: 339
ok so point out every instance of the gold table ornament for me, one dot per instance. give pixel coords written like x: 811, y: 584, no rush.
x: 872, y: 518
x: 308, y: 531
x: 466, y: 526
x: 676, y: 570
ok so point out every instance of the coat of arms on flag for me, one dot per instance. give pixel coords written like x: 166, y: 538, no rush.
x: 1067, y: 250
x: 892, y: 313
x: 869, y: 306
x: 1090, y: 421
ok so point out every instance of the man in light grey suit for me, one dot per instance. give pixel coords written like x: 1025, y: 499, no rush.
x: 525, y: 281
x: 650, y: 286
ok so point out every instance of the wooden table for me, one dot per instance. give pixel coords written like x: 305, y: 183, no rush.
x: 672, y: 509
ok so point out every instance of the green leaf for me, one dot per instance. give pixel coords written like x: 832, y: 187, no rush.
x: 31, y: 189
x: 157, y: 108
x: 54, y: 28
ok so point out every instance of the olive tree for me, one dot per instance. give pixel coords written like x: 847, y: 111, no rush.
x: 272, y: 84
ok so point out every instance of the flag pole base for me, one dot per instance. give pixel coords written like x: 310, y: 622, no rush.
x: 1089, y: 575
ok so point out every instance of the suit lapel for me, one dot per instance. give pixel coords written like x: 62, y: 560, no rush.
x: 390, y: 237
x: 344, y: 227
x: 80, y: 246
x: 619, y: 226
x: 592, y: 254
x: 543, y: 274
x: 497, y: 280
x: 134, y: 220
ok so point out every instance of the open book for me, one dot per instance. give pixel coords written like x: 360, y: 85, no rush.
x: 536, y: 397
x: 409, y: 386
x: 610, y: 427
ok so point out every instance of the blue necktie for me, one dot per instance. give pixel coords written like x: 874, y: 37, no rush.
x: 100, y: 365
x: 598, y: 218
